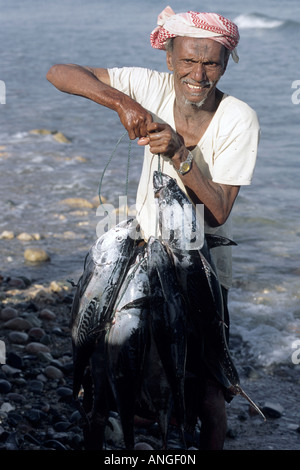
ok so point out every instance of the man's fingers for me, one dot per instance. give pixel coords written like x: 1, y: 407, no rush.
x: 143, y: 141
x: 153, y: 127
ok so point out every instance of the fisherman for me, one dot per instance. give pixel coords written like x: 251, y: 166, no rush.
x: 204, y: 138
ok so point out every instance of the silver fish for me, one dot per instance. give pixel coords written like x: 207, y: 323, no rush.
x: 105, y: 268
x: 126, y: 343
x: 156, y: 395
x: 198, y: 278
x: 168, y: 321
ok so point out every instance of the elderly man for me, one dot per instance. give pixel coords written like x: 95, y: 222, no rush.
x: 206, y: 139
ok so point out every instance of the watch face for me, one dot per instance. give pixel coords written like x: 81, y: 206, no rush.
x: 185, y: 166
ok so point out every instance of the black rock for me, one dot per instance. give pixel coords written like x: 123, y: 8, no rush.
x: 5, y: 386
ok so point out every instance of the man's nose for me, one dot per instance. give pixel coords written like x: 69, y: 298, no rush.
x: 198, y: 72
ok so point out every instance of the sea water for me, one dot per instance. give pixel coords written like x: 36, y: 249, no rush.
x: 38, y: 172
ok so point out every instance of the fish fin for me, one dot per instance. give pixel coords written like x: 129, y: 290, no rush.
x: 216, y: 240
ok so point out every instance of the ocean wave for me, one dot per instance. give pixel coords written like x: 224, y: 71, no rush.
x: 259, y: 21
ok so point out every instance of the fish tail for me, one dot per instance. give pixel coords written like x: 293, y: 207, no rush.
x: 241, y: 392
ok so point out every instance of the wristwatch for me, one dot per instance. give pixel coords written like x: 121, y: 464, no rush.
x: 186, y: 165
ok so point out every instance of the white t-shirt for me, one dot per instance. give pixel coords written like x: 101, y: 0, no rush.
x: 226, y: 153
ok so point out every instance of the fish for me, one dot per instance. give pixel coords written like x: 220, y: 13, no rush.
x: 126, y: 343
x: 156, y: 393
x: 168, y: 321
x: 182, y: 231
x: 104, y: 271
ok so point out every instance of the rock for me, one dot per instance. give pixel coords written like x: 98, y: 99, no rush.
x: 8, y: 313
x: 18, y: 337
x: 272, y: 410
x: 60, y: 137
x: 6, y: 407
x: 17, y: 283
x: 41, y: 131
x: 56, y: 287
x: 18, y: 323
x: 46, y: 314
x: 25, y: 237
x: 64, y: 392
x: 35, y: 386
x: 5, y: 386
x: 10, y: 371
x: 34, y: 416
x: 15, y: 360
x: 36, y: 255
x: 7, y: 235
x: 53, y: 372
x: 36, y: 348
x: 16, y: 397
x: 36, y: 333
x: 142, y: 446
x: 77, y: 202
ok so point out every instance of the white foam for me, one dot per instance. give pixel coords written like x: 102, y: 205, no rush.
x: 254, y: 21
x: 267, y: 324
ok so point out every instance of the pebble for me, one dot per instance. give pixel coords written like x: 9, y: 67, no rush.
x: 35, y: 348
x: 272, y: 410
x: 78, y: 202
x: 142, y: 446
x: 36, y: 255
x: 8, y: 313
x: 35, y: 386
x: 18, y: 323
x: 5, y: 386
x: 25, y: 237
x: 10, y: 371
x: 36, y: 333
x: 7, y: 235
x: 53, y: 372
x: 18, y: 337
x: 47, y: 314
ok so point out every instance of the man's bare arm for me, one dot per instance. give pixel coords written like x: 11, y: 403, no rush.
x: 94, y: 84
x: 217, y: 198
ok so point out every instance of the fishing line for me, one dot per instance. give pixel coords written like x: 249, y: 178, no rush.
x: 108, y: 163
x: 159, y: 166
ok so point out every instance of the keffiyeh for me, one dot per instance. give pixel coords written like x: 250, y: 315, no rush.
x: 195, y: 25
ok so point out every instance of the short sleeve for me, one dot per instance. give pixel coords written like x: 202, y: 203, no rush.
x: 236, y: 147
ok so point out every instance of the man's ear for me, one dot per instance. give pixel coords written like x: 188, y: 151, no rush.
x: 169, y: 61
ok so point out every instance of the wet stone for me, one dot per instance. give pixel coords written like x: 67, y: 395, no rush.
x: 64, y: 392
x: 47, y: 314
x: 16, y: 397
x: 8, y: 313
x: 5, y: 386
x: 272, y: 410
x: 35, y: 348
x: 35, y: 386
x: 15, y: 360
x: 18, y: 337
x: 36, y: 255
x: 36, y: 333
x: 53, y: 372
x: 18, y: 324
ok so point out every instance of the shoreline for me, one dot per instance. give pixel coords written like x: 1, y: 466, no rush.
x: 36, y: 407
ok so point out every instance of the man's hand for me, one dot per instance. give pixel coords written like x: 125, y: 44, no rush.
x: 134, y: 118
x: 162, y: 139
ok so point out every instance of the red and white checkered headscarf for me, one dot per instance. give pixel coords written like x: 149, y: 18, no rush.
x: 195, y: 25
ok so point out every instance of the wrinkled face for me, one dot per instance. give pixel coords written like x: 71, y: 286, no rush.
x: 198, y: 65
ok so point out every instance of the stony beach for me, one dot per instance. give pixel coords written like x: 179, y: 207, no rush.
x: 36, y: 408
